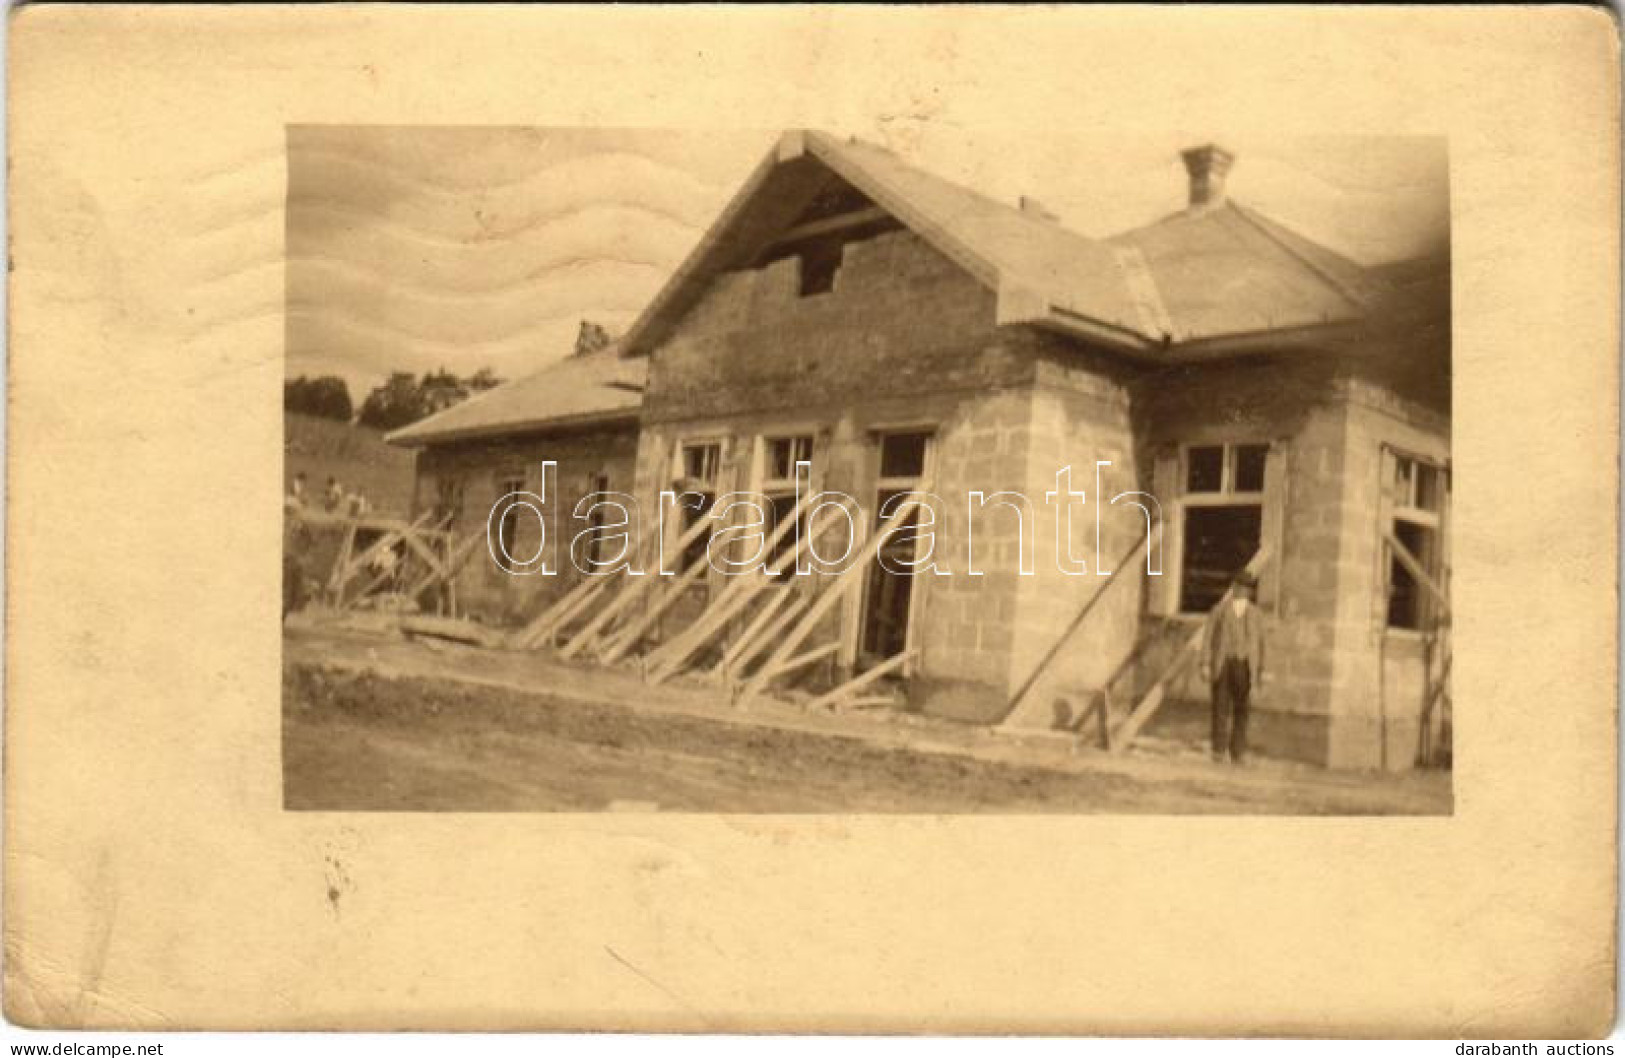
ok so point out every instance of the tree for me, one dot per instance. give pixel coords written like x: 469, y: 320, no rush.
x: 483, y: 379
x: 327, y: 397
x: 403, y: 399
x: 396, y: 403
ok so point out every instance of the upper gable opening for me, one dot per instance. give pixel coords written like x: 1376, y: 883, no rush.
x: 837, y: 216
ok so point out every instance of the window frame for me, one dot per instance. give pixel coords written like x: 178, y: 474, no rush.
x: 506, y: 482
x: 1406, y: 509
x: 770, y: 488
x: 857, y: 602
x: 1225, y: 496
x: 680, y: 477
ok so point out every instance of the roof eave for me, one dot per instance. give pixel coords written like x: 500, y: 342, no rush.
x: 404, y: 439
x: 645, y: 330
x: 1271, y: 340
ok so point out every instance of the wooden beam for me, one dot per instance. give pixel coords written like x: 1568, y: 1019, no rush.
x: 597, y: 587
x: 844, y: 581
x: 1148, y: 705
x: 611, y: 647
x: 543, y: 622
x: 845, y: 691
x: 768, y: 636
x: 828, y: 225
x: 389, y: 539
x: 334, y: 585
x: 628, y: 637
x: 617, y: 604
x: 1437, y: 693
x: 669, y: 656
x: 450, y: 567
x: 1414, y: 567
x: 1129, y: 729
x: 759, y: 623
x: 784, y: 668
x: 1148, y: 538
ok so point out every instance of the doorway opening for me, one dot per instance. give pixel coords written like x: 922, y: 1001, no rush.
x: 889, y: 592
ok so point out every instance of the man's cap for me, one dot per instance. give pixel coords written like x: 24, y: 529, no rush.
x: 1246, y: 579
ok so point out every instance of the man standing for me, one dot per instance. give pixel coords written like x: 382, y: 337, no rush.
x: 1234, y: 664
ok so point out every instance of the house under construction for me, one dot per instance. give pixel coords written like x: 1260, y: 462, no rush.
x: 1288, y: 409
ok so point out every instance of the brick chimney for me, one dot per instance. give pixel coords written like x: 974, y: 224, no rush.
x: 1207, y: 165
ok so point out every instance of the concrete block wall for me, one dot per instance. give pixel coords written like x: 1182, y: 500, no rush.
x: 1294, y: 404
x: 1376, y: 687
x: 966, y: 624
x: 1081, y: 414
x: 1340, y: 690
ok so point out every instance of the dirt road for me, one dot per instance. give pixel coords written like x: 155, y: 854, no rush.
x: 385, y: 739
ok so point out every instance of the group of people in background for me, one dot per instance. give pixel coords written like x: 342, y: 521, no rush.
x: 336, y: 499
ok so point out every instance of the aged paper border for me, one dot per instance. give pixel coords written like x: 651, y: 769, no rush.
x: 152, y: 878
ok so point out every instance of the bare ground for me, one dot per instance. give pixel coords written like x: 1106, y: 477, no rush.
x: 381, y: 724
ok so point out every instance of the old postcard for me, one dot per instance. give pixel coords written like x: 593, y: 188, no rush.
x: 797, y: 519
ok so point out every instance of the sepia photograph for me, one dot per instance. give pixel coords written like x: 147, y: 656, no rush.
x: 841, y: 521
x: 790, y: 471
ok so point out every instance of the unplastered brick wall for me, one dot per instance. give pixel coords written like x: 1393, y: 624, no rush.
x: 481, y: 467
x: 901, y: 319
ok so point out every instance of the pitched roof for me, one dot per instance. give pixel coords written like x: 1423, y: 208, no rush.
x: 1208, y: 272
x: 1036, y: 265
x: 1009, y: 246
x: 1227, y: 269
x: 1202, y: 273
x: 586, y: 389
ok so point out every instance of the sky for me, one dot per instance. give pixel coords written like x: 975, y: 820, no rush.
x: 415, y: 248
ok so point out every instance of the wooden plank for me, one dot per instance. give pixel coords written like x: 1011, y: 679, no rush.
x: 752, y: 631
x: 1148, y: 705
x: 851, y: 687
x: 640, y: 586
x: 426, y: 553
x: 597, y: 587
x: 448, y: 628
x: 769, y: 635
x: 388, y: 540
x: 1152, y: 700
x: 543, y: 621
x: 844, y: 581
x: 335, y: 586
x: 784, y: 668
x: 1150, y: 537
x: 1101, y: 708
x: 1438, y: 693
x: 628, y: 637
x: 839, y: 222
x: 671, y: 655
x: 722, y: 607
x: 617, y: 605
x: 449, y: 569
